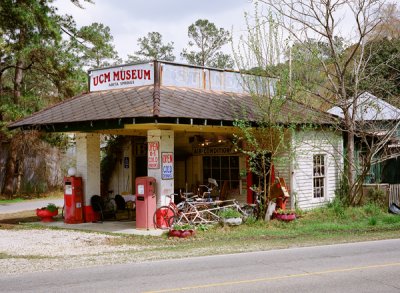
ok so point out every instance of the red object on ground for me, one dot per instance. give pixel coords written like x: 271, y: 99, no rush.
x: 90, y: 215
x: 182, y: 233
x: 286, y: 218
x: 46, y: 215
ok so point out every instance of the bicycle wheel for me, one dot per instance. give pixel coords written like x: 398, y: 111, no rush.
x: 162, y: 217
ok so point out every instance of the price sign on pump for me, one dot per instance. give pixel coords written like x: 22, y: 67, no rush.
x: 167, y: 166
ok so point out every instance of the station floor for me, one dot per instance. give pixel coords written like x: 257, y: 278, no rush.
x: 120, y: 227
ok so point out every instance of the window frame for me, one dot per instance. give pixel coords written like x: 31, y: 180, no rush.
x: 319, y: 174
x: 234, y: 179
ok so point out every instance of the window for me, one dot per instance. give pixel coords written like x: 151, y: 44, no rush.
x: 222, y: 168
x: 319, y: 176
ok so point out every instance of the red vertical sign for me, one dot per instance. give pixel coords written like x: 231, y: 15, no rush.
x: 153, y: 161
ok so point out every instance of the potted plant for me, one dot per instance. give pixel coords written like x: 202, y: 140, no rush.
x: 285, y: 215
x: 230, y: 217
x: 182, y: 231
x: 47, y: 213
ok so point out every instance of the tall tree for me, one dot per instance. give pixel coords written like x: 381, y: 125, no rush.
x: 26, y: 26
x: 389, y: 27
x: 152, y: 47
x: 41, y: 62
x: 97, y: 45
x: 209, y: 40
x: 258, y: 52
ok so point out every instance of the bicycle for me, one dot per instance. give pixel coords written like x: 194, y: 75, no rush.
x: 210, y: 187
x: 165, y: 216
x: 254, y: 209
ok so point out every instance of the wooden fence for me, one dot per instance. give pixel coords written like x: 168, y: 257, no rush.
x: 394, y: 194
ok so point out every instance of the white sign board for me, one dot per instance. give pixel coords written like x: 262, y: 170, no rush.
x: 167, y: 171
x: 121, y: 77
x: 140, y: 189
x: 68, y: 189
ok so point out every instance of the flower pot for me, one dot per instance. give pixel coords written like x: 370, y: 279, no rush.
x: 181, y: 233
x: 185, y: 233
x: 46, y: 215
x: 174, y: 233
x: 232, y: 221
x: 286, y: 217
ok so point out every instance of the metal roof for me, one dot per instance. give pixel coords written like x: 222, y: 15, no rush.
x: 370, y: 108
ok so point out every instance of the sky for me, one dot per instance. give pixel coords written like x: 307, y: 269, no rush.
x: 129, y: 20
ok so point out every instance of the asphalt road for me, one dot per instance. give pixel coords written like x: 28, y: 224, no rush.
x: 356, y: 267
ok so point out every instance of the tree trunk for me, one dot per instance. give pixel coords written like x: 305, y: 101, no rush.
x: 351, y: 167
x: 11, y: 166
x: 18, y: 80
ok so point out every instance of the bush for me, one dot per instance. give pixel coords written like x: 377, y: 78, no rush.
x: 229, y: 213
x: 377, y: 196
x: 372, y: 209
x: 337, y: 206
x: 372, y: 221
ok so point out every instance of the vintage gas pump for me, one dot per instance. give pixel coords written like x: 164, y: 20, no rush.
x: 73, y: 198
x: 146, y: 203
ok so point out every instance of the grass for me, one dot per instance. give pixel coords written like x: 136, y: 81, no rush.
x: 326, y: 225
x: 21, y: 197
x: 14, y: 200
x: 8, y: 256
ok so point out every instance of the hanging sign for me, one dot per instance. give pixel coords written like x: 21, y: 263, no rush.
x: 152, y: 155
x: 167, y: 171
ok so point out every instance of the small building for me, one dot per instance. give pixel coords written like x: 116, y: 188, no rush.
x: 178, y: 124
x: 379, y: 122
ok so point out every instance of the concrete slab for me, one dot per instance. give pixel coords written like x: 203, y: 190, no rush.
x: 121, y: 227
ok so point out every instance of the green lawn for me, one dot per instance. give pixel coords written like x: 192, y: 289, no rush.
x: 328, y: 225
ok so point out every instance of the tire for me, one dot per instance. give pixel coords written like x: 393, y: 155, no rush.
x: 162, y: 217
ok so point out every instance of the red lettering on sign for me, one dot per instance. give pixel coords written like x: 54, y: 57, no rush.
x: 146, y: 74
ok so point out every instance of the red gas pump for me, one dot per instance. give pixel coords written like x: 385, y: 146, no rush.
x: 73, y: 197
x: 146, y: 203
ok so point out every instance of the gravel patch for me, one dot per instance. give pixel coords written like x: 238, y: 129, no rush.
x: 45, y: 249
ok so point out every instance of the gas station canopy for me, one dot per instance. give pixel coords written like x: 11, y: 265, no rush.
x: 160, y: 92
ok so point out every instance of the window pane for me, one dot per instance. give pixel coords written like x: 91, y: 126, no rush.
x: 215, y: 162
x: 234, y: 162
x: 206, y: 162
x: 225, y: 162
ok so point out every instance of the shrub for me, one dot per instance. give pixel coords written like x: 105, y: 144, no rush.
x: 51, y: 207
x: 229, y: 213
x: 337, y: 206
x: 372, y: 221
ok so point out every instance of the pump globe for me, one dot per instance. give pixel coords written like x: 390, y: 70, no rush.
x: 72, y: 171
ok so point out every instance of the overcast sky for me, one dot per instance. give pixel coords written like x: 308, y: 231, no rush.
x: 130, y: 20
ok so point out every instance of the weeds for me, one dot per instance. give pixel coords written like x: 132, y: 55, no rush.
x: 372, y: 221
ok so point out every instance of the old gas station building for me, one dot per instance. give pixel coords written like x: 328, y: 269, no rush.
x: 178, y: 121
